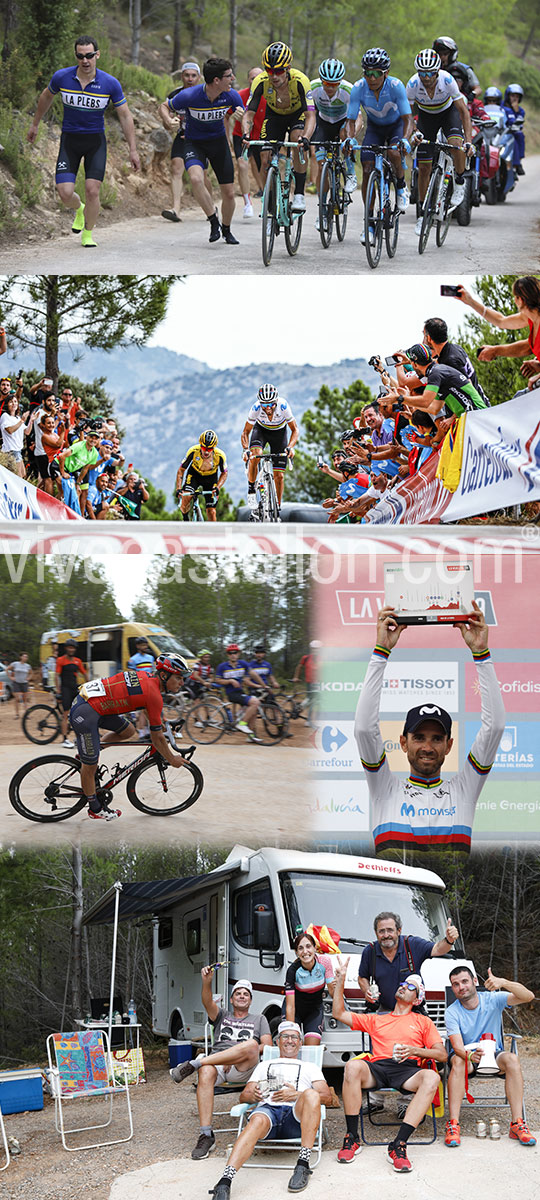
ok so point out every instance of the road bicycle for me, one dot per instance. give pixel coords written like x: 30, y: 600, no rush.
x: 437, y: 208
x: 42, y: 723
x: 334, y: 200
x: 195, y: 511
x: 48, y: 788
x: 265, y: 488
x: 296, y: 705
x: 278, y: 195
x: 212, y: 717
x: 381, y: 212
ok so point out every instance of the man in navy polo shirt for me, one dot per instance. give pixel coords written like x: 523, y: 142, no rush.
x: 85, y: 92
x: 392, y: 958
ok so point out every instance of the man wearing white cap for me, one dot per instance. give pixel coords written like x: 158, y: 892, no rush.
x: 191, y: 75
x: 238, y: 1038
x: 401, y: 1041
x: 288, y: 1093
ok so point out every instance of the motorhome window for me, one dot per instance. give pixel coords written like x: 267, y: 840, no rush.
x: 349, y: 905
x: 165, y: 643
x: 106, y: 646
x: 244, y: 902
x: 165, y: 933
x: 193, y: 937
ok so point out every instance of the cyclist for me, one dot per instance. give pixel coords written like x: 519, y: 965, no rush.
x: 263, y: 668
x: 447, y: 50
x: 267, y: 422
x: 234, y: 675
x: 202, y: 674
x: 289, y: 110
x: 206, y: 106
x: 389, y: 120
x: 331, y: 96
x: 441, y: 106
x: 68, y: 666
x: 448, y: 391
x: 85, y: 92
x: 103, y: 703
x: 204, y: 466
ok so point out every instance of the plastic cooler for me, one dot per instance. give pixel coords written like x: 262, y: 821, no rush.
x: 179, y: 1052
x: 21, y: 1091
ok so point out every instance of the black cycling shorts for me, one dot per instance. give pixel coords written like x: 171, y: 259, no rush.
x: 92, y: 147
x: 178, y: 148
x: 277, y: 125
x: 215, y: 151
x: 429, y: 124
x: 86, y: 724
x: 195, y: 480
x: 388, y: 1073
x: 253, y: 152
x: 68, y: 693
x: 327, y: 131
x: 277, y: 439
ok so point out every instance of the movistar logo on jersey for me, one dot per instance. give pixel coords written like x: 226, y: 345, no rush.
x: 408, y: 810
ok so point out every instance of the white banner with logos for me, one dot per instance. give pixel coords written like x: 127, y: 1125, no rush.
x: 21, y: 501
x: 500, y: 464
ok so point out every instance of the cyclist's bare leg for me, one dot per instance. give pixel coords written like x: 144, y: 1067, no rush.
x: 211, y: 512
x: 424, y: 172
x: 91, y: 211
x: 253, y: 463
x: 458, y: 154
x: 185, y: 501
x: 394, y: 157
x: 177, y: 183
x: 367, y: 168
x: 266, y: 156
x: 279, y: 479
x: 200, y: 191
x: 122, y: 736
x: 251, y: 711
x: 228, y: 201
x: 69, y: 197
x: 295, y: 136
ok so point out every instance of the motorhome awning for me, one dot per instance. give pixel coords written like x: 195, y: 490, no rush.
x: 145, y: 899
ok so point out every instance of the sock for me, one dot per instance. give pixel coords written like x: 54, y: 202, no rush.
x: 299, y: 182
x: 251, y: 488
x: 459, y: 178
x: 404, y: 1132
x: 400, y: 183
x: 207, y: 1129
x: 228, y: 1174
x: 226, y: 228
x: 196, y: 1062
x: 305, y: 1154
x: 214, y: 219
x: 247, y: 197
x: 94, y: 804
x: 352, y: 1125
x: 185, y: 516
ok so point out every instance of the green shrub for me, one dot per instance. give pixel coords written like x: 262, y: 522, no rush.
x: 514, y: 70
x: 17, y: 156
x: 138, y: 79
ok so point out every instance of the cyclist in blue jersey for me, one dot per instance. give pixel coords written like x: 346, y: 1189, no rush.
x: 234, y: 675
x: 206, y: 106
x: 263, y: 668
x: 85, y: 92
x: 389, y: 120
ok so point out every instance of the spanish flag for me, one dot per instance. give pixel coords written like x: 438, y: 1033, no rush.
x: 327, y: 939
x: 451, y: 456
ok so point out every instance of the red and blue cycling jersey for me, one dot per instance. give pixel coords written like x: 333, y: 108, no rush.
x: 84, y: 108
x: 204, y: 117
x: 125, y: 692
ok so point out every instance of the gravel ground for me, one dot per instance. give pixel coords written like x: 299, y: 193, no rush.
x: 166, y: 1126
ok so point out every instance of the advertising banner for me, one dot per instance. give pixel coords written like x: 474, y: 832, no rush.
x: 21, y: 501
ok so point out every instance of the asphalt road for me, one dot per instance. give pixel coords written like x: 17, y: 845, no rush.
x: 511, y: 231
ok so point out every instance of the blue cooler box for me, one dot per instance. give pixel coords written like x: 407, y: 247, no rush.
x: 179, y: 1052
x: 21, y: 1091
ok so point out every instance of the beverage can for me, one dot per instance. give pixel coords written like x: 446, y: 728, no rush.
x: 481, y: 1129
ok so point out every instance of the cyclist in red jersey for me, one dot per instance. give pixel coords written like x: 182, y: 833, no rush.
x: 103, y: 703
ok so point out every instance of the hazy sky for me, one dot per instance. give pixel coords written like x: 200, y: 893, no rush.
x: 310, y: 319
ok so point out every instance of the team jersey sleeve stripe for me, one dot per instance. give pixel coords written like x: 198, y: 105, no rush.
x: 381, y: 652
x: 481, y: 770
x: 376, y: 766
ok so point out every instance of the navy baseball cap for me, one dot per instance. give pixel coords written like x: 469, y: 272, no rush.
x: 427, y: 712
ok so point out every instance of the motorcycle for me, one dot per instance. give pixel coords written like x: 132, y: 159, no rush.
x: 501, y: 138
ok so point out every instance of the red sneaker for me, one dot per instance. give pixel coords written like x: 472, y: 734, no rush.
x: 349, y: 1149
x: 452, y: 1137
x: 520, y: 1131
x: 397, y: 1155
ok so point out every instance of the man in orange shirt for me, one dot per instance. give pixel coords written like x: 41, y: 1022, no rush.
x: 400, y: 1042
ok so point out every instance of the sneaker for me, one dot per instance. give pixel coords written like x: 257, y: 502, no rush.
x: 215, y: 232
x: 205, y: 1144
x: 349, y: 1149
x: 298, y: 206
x: 229, y: 237
x: 67, y: 745
x: 222, y: 1190
x: 351, y: 182
x: 13, y: 1143
x: 300, y: 1176
x: 106, y: 814
x: 371, y: 236
x: 248, y: 211
x: 87, y: 238
x: 397, y: 1156
x: 452, y: 1134
x: 520, y: 1132
x: 243, y: 725
x: 402, y: 199
x: 458, y: 195
x: 78, y: 224
x: 252, y: 500
x: 418, y: 226
x: 170, y: 215
x: 181, y: 1072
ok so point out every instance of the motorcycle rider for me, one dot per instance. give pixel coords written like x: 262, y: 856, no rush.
x: 447, y: 50
x: 515, y: 116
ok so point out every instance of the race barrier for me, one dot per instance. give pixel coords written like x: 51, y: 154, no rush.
x: 497, y: 464
x: 21, y: 501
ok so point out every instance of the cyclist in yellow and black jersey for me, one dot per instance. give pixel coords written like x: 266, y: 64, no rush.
x: 204, y: 465
x: 290, y: 109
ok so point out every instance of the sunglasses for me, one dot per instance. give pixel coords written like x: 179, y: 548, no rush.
x: 373, y: 74
x: 427, y: 74
x: 410, y: 986
x: 91, y: 54
x: 278, y: 71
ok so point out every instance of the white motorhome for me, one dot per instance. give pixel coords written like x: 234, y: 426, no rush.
x: 247, y: 912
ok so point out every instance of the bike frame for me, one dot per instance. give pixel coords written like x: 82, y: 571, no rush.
x: 280, y: 151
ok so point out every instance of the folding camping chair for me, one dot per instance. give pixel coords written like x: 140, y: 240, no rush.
x: 221, y: 1089
x: 370, y: 1109
x: 80, y: 1068
x: 312, y: 1054
x: 4, y: 1140
x: 491, y: 1099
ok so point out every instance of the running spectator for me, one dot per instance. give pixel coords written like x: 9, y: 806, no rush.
x: 190, y: 74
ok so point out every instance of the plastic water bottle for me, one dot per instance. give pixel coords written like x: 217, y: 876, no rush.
x: 132, y: 1013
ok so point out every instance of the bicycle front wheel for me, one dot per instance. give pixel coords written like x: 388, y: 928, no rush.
x: 443, y: 224
x: 293, y: 228
x: 326, y: 214
x: 391, y: 217
x: 269, y: 217
x: 206, y: 722
x: 429, y: 209
x: 373, y: 220
x: 271, y: 506
x: 160, y: 790
x: 271, y: 724
x: 342, y: 202
x: 41, y: 724
x: 47, y: 789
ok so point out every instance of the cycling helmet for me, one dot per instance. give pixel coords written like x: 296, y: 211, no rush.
x: 275, y: 56
x: 233, y: 648
x: 427, y: 60
x: 376, y: 57
x: 172, y: 664
x: 492, y: 95
x: 259, y: 649
x: 514, y: 89
x: 208, y: 439
x: 332, y: 70
x: 420, y: 353
x: 267, y: 394
x: 204, y: 651
x: 446, y: 45
x: 338, y: 453
x: 349, y: 468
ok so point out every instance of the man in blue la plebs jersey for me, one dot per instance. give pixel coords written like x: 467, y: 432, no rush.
x: 234, y: 675
x: 389, y: 120
x: 206, y: 105
x: 85, y: 92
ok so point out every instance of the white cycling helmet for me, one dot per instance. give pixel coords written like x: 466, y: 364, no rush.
x: 427, y: 60
x: 267, y: 394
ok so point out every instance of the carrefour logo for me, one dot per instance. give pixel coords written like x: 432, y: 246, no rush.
x: 332, y: 739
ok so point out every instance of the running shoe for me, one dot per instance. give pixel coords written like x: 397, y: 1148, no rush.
x: 205, y: 1144
x: 351, y: 182
x: 397, y: 1156
x: 248, y: 210
x: 299, y: 203
x: 458, y: 195
x: 418, y: 226
x: 519, y: 1131
x: 182, y: 1071
x: 452, y: 1134
x: 349, y: 1149
x: 371, y: 236
x: 170, y: 215
x: 87, y: 238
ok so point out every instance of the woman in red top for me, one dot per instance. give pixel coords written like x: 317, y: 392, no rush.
x: 527, y: 297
